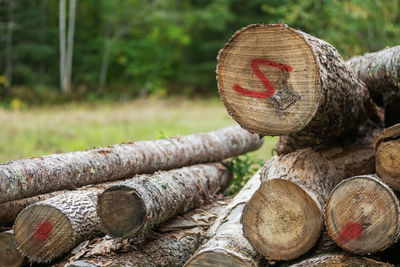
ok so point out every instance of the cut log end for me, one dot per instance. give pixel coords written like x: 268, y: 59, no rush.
x: 9, y: 254
x: 362, y: 215
x: 388, y: 162
x: 269, y: 73
x: 43, y: 232
x: 121, y: 211
x: 340, y: 260
x: 216, y: 257
x: 281, y: 220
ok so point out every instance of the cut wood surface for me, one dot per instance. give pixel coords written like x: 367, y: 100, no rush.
x: 274, y: 80
x: 283, y: 218
x: 9, y: 254
x: 29, y: 177
x: 226, y: 245
x: 340, y: 260
x: 363, y: 215
x: 387, y: 145
x: 175, y: 243
x: 135, y: 206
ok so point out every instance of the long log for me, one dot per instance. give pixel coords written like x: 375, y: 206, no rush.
x: 29, y: 177
x: 362, y: 215
x: 176, y: 241
x: 387, y: 162
x: 338, y: 259
x: 9, y: 254
x: 135, y: 206
x: 274, y: 80
x: 283, y: 218
x: 227, y: 245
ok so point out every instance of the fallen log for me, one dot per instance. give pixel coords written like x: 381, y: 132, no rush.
x: 362, y: 215
x: 226, y: 245
x: 283, y: 218
x: 9, y: 254
x: 387, y: 162
x: 135, y: 206
x: 29, y: 177
x: 309, y: 91
x: 176, y: 241
x: 340, y: 260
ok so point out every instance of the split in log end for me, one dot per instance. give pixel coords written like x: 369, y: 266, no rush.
x: 281, y: 220
x: 216, y: 257
x: 121, y: 211
x: 43, y: 232
x: 362, y: 215
x: 268, y: 79
x: 9, y: 254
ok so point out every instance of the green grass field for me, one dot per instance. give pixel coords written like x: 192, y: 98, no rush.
x: 72, y: 127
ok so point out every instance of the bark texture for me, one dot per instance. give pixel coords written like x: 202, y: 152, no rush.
x: 135, y: 206
x: 283, y: 218
x: 338, y: 260
x: 354, y: 215
x: 175, y: 242
x: 9, y: 254
x: 387, y: 162
x: 314, y: 96
x: 226, y: 245
x: 29, y: 177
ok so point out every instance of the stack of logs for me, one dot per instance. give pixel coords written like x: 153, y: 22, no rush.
x: 329, y: 197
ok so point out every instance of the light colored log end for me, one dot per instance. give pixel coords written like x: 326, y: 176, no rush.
x: 388, y: 162
x: 216, y: 258
x: 121, y: 211
x: 42, y: 232
x: 281, y: 220
x: 268, y: 79
x: 362, y: 215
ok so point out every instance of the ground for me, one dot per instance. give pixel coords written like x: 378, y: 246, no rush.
x: 72, y: 127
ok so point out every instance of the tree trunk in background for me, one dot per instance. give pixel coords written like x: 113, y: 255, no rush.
x: 30, y: 177
x: 70, y: 42
x: 9, y: 47
x: 9, y: 254
x: 63, y: 78
x: 105, y: 60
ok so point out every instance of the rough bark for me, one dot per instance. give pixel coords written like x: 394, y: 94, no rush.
x: 310, y: 92
x: 9, y: 254
x: 340, y: 260
x: 354, y: 215
x: 226, y: 245
x: 135, y: 206
x: 10, y: 210
x: 283, y: 218
x: 387, y: 162
x: 29, y: 177
x: 176, y: 241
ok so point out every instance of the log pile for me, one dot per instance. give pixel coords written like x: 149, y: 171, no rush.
x: 328, y: 198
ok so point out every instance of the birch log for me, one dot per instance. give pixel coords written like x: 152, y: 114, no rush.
x: 226, y: 245
x: 363, y: 215
x: 135, y: 206
x: 9, y: 254
x: 274, y: 80
x: 340, y: 260
x: 29, y: 177
x: 283, y: 218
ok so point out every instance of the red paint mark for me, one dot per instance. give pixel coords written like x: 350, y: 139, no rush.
x: 350, y: 232
x: 43, y: 230
x: 264, y: 80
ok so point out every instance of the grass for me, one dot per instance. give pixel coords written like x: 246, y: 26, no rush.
x: 72, y: 127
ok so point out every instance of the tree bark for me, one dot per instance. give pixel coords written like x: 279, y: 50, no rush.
x: 340, y: 260
x: 176, y: 241
x: 9, y: 254
x: 63, y: 80
x: 354, y: 215
x: 9, y: 210
x: 135, y: 206
x: 283, y: 218
x: 227, y: 245
x: 29, y: 177
x: 310, y: 92
x: 387, y: 162
x: 70, y: 42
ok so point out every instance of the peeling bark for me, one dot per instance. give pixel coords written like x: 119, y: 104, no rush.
x: 29, y: 177
x: 135, y: 206
x: 9, y: 254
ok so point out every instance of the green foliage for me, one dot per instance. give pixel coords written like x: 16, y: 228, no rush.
x: 242, y: 168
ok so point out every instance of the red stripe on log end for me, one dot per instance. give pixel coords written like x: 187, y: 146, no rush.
x: 350, y: 232
x: 43, y: 230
